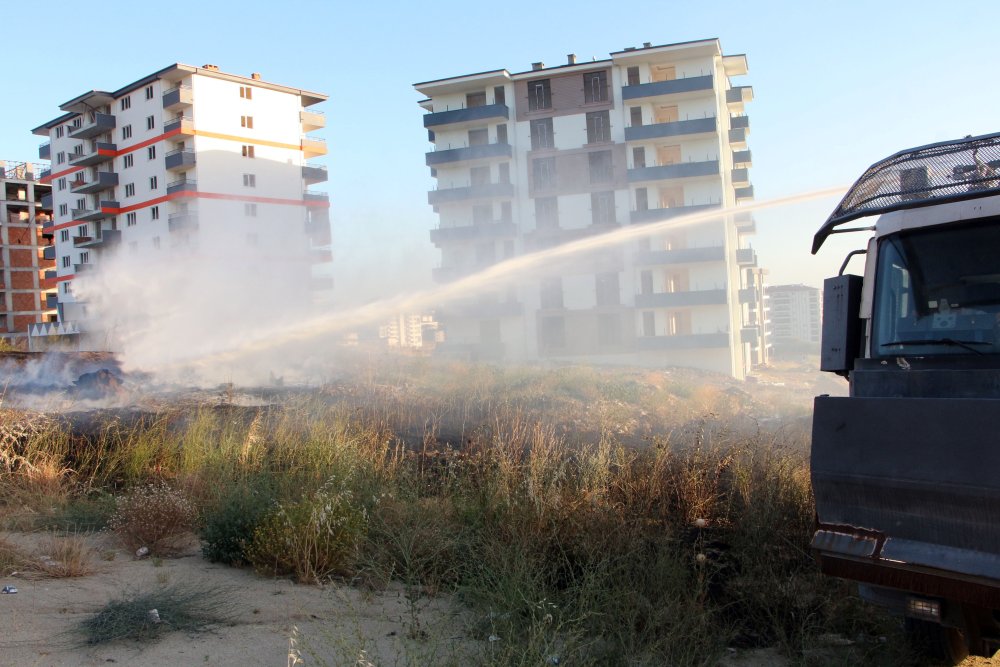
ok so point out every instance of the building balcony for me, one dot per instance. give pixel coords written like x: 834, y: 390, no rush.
x: 444, y: 274
x: 674, y: 171
x: 741, y: 177
x: 314, y: 173
x: 101, y: 152
x: 737, y: 96
x: 45, y: 175
x: 49, y: 252
x: 660, y: 214
x: 48, y: 228
x: 104, y: 181
x: 313, y: 146
x: 680, y: 128
x: 683, y: 341
x: 672, y: 88
x: 45, y: 151
x: 746, y: 257
x: 184, y: 186
x: 179, y: 159
x: 178, y: 98
x: 104, y: 209
x: 738, y: 138
x: 750, y: 335
x: 749, y: 295
x: 316, y: 196
x: 476, y: 232
x: 51, y: 301
x: 742, y: 159
x: 745, y: 223
x: 102, y: 123
x: 681, y: 256
x: 85, y: 267
x: 709, y: 297
x: 452, y: 156
x: 182, y: 125
x: 105, y: 239
x: 47, y: 201
x: 182, y: 221
x: 739, y: 123
x: 744, y: 193
x: 312, y: 120
x: 483, y: 191
x: 81, y: 240
x: 458, y: 117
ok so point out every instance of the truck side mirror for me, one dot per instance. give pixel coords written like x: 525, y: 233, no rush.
x: 841, y: 343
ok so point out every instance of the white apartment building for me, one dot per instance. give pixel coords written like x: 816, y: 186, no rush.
x: 530, y: 160
x: 188, y: 160
x: 795, y: 316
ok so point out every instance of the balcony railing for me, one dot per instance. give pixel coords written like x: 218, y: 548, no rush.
x: 316, y: 196
x: 104, y: 181
x: 744, y: 193
x: 683, y: 341
x: 742, y: 159
x: 476, y: 232
x: 681, y: 256
x: 47, y: 201
x: 49, y: 252
x: 675, y: 129
x: 179, y: 96
x: 45, y: 151
x: 469, y: 114
x: 312, y: 120
x: 739, y: 122
x: 179, y: 159
x: 102, y: 123
x: 313, y: 146
x: 672, y: 87
x: 105, y: 208
x: 486, y: 310
x: 188, y: 185
x: 182, y: 220
x: 483, y: 191
x: 314, y: 173
x: 746, y: 257
x: 710, y: 297
x: 480, y: 152
x: 101, y: 152
x: 738, y: 138
x: 741, y: 177
x: 659, y: 214
x: 182, y: 125
x: 673, y: 171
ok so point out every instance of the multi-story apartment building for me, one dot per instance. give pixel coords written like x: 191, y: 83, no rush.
x: 190, y: 160
x: 795, y: 317
x: 410, y: 331
x: 27, y: 289
x: 534, y: 159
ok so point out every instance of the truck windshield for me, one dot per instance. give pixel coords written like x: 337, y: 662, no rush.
x: 937, y: 292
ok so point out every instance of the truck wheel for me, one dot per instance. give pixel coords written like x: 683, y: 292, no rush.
x: 942, y: 643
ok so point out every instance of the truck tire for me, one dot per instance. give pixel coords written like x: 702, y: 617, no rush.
x: 943, y: 644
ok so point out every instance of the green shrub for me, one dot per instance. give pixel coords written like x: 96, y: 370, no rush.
x: 229, y: 526
x: 312, y: 538
x: 152, y: 516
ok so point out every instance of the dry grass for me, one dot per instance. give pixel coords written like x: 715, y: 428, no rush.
x: 56, y: 557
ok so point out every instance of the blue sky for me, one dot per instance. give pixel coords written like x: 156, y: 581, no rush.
x: 837, y: 85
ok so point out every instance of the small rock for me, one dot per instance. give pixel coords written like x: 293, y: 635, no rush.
x: 9, y: 590
x: 494, y: 638
x: 142, y: 552
x: 154, y: 615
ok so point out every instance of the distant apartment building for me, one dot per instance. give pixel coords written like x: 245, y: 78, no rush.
x: 532, y: 160
x: 795, y: 317
x: 187, y: 160
x: 410, y: 331
x: 27, y: 289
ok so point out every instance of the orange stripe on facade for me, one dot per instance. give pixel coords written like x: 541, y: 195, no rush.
x: 247, y: 140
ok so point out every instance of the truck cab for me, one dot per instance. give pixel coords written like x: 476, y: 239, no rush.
x: 906, y: 468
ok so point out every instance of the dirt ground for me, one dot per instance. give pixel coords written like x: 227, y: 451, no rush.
x: 326, y: 625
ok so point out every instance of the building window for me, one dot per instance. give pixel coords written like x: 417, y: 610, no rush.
x: 544, y: 172
x: 149, y: 92
x: 539, y: 95
x: 63, y: 209
x: 247, y: 122
x: 632, y: 76
x: 553, y: 333
x: 85, y: 257
x: 66, y: 287
x: 479, y: 176
x: 595, y: 86
x: 154, y: 213
x: 59, y: 132
x: 608, y: 329
x: 646, y: 281
x: 64, y: 235
x: 541, y: 134
x: 600, y: 167
x: 648, y: 324
x: 505, y: 211
x: 479, y: 137
x: 551, y: 293
x: 641, y: 199
x: 60, y: 157
x: 246, y: 92
x: 126, y: 103
x: 151, y: 152
x: 127, y: 132
x: 499, y: 95
x: 127, y: 161
x: 502, y: 133
x: 150, y: 122
x: 602, y: 208
x: 152, y: 182
x: 81, y: 230
x: 250, y: 180
x: 546, y: 212
x: 65, y: 261
x: 250, y: 210
x: 156, y: 242
x: 130, y: 219
x: 598, y: 126
x: 504, y: 172
x: 635, y: 116
x: 639, y: 157
x: 61, y: 184
x: 130, y: 189
x: 81, y: 203
x: 608, y: 292
x: 475, y: 99
x: 247, y: 151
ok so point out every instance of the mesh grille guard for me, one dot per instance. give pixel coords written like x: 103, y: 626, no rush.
x: 933, y: 174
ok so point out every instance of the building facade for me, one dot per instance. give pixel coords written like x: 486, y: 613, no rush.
x: 647, y: 138
x: 27, y: 288
x: 190, y: 161
x: 795, y: 317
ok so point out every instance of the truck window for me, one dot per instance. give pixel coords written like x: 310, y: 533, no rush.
x: 937, y: 292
